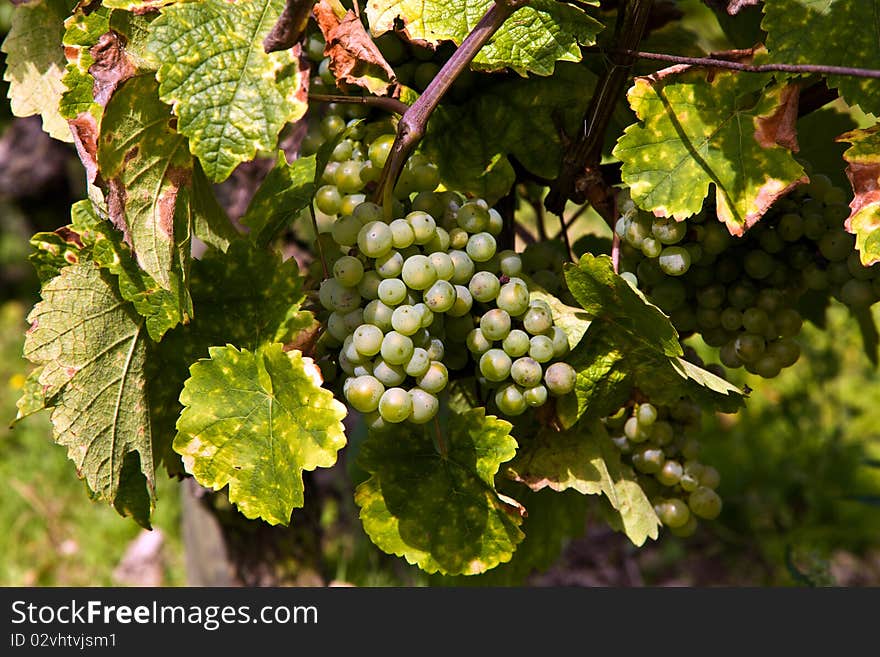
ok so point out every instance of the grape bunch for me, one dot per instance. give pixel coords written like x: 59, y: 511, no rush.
x: 656, y: 441
x: 742, y: 294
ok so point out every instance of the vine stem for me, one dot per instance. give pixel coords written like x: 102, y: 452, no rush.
x: 411, y: 127
x: 389, y: 104
x: 713, y: 62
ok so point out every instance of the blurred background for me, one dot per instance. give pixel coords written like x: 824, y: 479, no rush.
x: 800, y: 465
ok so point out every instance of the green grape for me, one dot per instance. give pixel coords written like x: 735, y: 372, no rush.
x: 484, y: 286
x: 668, y: 230
x: 367, y: 339
x: 559, y: 378
x: 705, y: 503
x: 711, y: 296
x: 731, y: 319
x: 688, y: 482
x: 674, y: 260
x: 481, y: 247
x: 477, y: 343
x: 328, y: 199
x: 513, y: 297
x: 661, y: 432
x: 710, y: 477
x: 348, y: 177
x: 425, y: 177
x: 836, y: 245
x: 749, y: 347
x: 670, y: 294
x: 348, y: 270
x: 436, y: 350
x: 374, y: 239
x: 329, y: 173
x: 424, y: 406
x: 397, y: 348
x: 786, y: 351
x: 755, y: 320
x: 510, y: 400
x: 495, y: 324
x: 435, y: 379
x: 418, y: 363
x: 670, y: 473
x: 331, y: 125
x: 495, y: 365
x: 538, y: 318
x: 390, y: 375
x: 516, y: 343
x: 541, y: 349
x: 395, y: 405
x: 857, y: 294
x: 766, y: 366
x: 353, y: 319
x: 392, y: 291
x: 406, y: 320
x: 472, y: 217
x: 367, y: 212
x: 509, y: 263
x: 402, y: 234
x: 336, y: 326
x: 351, y: 353
x: 742, y: 295
x: 463, y: 302
x: 637, y: 230
x: 857, y: 269
x: 464, y: 267
x: 418, y: 272
x: 423, y: 226
x: 439, y: 243
x: 342, y: 151
x: 674, y: 513
x: 378, y: 314
x: 368, y: 287
x: 708, y: 318
x: 440, y: 297
x: 770, y: 300
x: 442, y: 264
x: 364, y: 393
x: 728, y: 356
x: 759, y: 264
x: 389, y: 265
x: 458, y: 239
x: 651, y: 247
x: 379, y: 150
x: 426, y: 314
x: 535, y: 396
x: 648, y: 459
x: 374, y: 422
x: 526, y: 371
x: 631, y: 428
x: 688, y: 529
x: 496, y: 222
x: 788, y: 322
x: 345, y: 230
x: 646, y: 414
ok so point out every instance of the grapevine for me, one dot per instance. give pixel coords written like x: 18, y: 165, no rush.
x: 395, y: 289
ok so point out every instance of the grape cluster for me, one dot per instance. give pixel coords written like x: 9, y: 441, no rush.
x: 656, y: 441
x: 742, y: 294
x: 410, y: 299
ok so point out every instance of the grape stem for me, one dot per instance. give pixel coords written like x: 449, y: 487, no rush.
x: 414, y: 121
x: 388, y: 104
x: 580, y: 177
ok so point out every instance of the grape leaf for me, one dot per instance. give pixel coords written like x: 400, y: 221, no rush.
x: 81, y: 32
x: 231, y: 97
x: 532, y: 40
x: 287, y: 189
x: 699, y: 129
x: 863, y: 170
x: 32, y: 400
x: 254, y: 421
x: 145, y: 163
x: 354, y: 58
x: 830, y: 32
x: 405, y: 504
x: 162, y: 309
x: 92, y: 347
x: 585, y: 459
x: 54, y: 251
x: 35, y: 63
x: 473, y: 142
x: 607, y: 297
x: 210, y: 223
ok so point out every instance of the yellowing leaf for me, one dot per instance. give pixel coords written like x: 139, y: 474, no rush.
x: 863, y: 170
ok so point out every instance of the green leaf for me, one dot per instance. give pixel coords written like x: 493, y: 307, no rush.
x: 698, y: 129
x: 145, y: 163
x: 287, y: 189
x: 574, y: 321
x: 211, y: 224
x: 254, y: 421
x: 863, y: 170
x: 607, y: 297
x: 231, y: 97
x: 405, y: 504
x: 32, y: 399
x: 473, y: 142
x: 584, y: 459
x: 830, y: 32
x: 92, y: 347
x: 81, y: 32
x: 162, y: 309
x: 35, y: 63
x: 530, y: 41
x: 132, y: 498
x: 54, y: 251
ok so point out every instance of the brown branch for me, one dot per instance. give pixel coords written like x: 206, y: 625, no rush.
x: 580, y: 176
x: 712, y: 62
x: 414, y: 121
x: 382, y: 102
